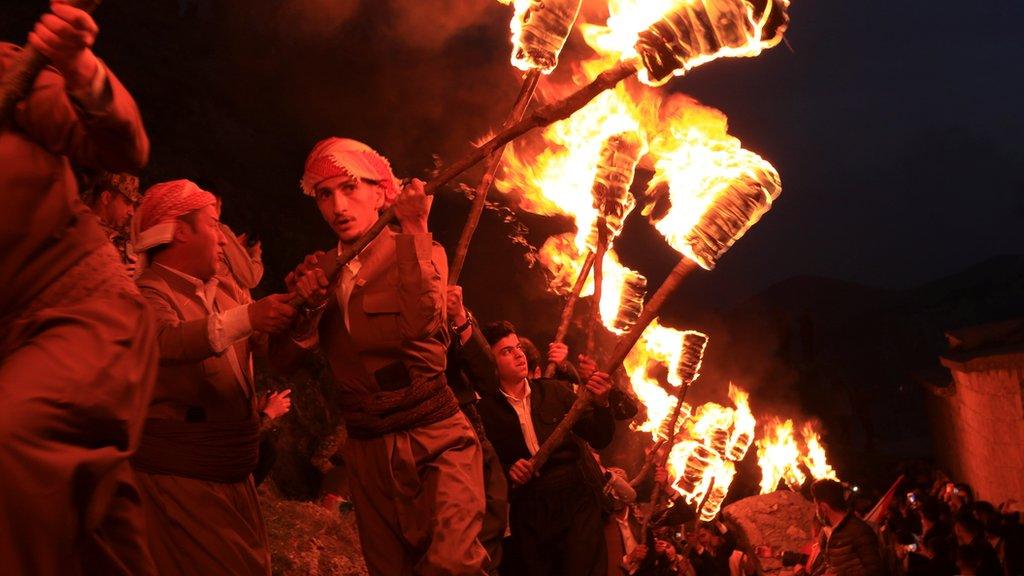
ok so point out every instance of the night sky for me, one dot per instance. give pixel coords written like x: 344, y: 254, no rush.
x: 894, y: 124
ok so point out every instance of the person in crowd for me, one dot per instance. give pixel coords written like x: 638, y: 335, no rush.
x: 199, y: 446
x: 241, y: 262
x: 112, y: 197
x: 712, y: 549
x: 970, y: 532
x: 932, y: 552
x: 968, y: 560
x: 415, y: 464
x: 849, y: 547
x: 1004, y: 535
x: 555, y: 524
x: 271, y: 406
x: 471, y: 368
x: 77, y: 349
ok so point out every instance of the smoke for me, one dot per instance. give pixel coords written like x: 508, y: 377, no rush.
x: 430, y: 24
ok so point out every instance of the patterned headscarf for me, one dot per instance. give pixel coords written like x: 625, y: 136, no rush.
x: 121, y: 182
x: 157, y: 215
x: 340, y: 156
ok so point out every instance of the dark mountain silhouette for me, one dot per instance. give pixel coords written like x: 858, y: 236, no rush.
x: 857, y: 357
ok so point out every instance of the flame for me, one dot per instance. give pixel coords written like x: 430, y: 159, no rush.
x: 539, y: 31
x: 616, y: 39
x: 659, y: 33
x: 744, y: 424
x: 707, y: 190
x: 696, y: 162
x: 658, y: 350
x: 561, y: 256
x: 780, y: 456
x: 722, y: 474
x: 814, y: 458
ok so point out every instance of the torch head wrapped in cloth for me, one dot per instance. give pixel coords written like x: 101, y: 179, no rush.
x: 722, y: 204
x: 616, y: 169
x: 694, y: 344
x: 539, y: 31
x: 698, y: 31
x: 631, y: 301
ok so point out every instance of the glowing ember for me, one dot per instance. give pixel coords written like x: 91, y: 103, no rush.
x: 688, y: 463
x: 616, y: 168
x: 692, y: 356
x: 539, y: 31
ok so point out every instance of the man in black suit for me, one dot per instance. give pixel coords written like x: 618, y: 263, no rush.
x: 555, y: 518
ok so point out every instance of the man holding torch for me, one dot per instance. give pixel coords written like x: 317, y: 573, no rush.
x: 417, y: 465
x: 77, y: 346
x: 555, y: 519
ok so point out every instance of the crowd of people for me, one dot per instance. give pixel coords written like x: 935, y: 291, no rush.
x: 132, y: 420
x: 937, y: 528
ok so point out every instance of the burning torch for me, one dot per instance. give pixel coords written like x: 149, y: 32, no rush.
x: 736, y: 200
x: 616, y: 168
x: 615, y: 171
x: 693, y: 33
x: 539, y: 31
x: 694, y: 345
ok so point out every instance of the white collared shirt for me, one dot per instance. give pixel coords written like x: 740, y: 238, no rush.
x: 224, y: 327
x: 522, y: 408
x: 348, y: 282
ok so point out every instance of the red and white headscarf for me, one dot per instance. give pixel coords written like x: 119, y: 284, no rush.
x: 341, y: 156
x: 156, y: 218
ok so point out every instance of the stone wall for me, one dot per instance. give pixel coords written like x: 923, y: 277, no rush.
x: 982, y: 440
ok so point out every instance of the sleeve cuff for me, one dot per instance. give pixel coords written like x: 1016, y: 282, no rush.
x: 229, y: 327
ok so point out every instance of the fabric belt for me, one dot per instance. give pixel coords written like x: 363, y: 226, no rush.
x: 224, y: 452
x: 372, y: 415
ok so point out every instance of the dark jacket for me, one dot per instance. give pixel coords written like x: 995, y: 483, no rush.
x: 549, y: 402
x: 853, y: 549
x: 471, y: 369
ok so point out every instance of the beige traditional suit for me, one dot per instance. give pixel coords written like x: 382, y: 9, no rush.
x: 200, y: 441
x: 417, y: 466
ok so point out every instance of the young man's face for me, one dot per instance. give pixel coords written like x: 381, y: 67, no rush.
x: 349, y: 205
x: 203, y: 243
x: 510, y: 358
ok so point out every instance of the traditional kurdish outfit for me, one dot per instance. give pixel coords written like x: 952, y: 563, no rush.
x: 199, y: 445
x: 416, y: 464
x: 77, y: 347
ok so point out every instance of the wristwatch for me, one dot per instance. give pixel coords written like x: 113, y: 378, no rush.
x: 457, y: 330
